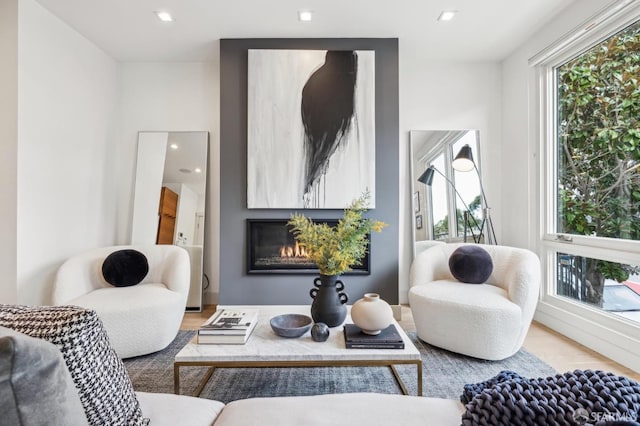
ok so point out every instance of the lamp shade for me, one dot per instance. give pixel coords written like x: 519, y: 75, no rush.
x: 464, y: 160
x: 427, y: 176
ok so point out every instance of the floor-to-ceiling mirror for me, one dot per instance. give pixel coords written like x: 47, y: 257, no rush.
x: 442, y: 199
x: 169, y: 197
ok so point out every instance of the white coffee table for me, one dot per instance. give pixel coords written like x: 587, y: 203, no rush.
x: 266, y: 349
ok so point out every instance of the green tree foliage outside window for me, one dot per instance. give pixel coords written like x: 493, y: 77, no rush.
x: 599, y: 149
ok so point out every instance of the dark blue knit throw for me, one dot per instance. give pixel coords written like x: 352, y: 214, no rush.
x: 574, y: 398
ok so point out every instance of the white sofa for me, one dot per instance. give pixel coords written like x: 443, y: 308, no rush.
x: 335, y: 409
x: 139, y: 319
x: 487, y: 321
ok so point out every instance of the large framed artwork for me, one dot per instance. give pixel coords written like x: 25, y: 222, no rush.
x: 311, y: 128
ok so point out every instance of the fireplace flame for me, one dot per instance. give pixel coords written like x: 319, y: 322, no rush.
x: 296, y: 251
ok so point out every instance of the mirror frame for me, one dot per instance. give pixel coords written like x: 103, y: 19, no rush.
x: 149, y: 179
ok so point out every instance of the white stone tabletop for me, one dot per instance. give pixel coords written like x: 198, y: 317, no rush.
x: 265, y: 345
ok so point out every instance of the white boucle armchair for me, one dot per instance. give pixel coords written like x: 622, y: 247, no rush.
x: 487, y: 321
x: 139, y: 319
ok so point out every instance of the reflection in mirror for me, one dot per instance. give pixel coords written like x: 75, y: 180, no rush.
x: 439, y: 208
x: 169, y: 197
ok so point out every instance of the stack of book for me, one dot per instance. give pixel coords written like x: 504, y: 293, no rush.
x: 228, y: 326
x: 389, y: 338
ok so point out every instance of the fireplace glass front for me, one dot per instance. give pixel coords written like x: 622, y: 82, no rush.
x: 272, y: 249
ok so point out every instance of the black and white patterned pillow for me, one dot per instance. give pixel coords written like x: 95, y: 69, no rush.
x: 103, y: 384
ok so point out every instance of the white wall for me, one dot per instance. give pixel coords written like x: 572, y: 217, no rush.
x: 171, y: 97
x: 67, y: 123
x: 442, y: 96
x: 8, y: 148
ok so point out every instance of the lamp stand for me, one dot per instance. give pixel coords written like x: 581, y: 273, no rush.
x: 486, y: 215
x: 467, y: 225
x: 486, y: 219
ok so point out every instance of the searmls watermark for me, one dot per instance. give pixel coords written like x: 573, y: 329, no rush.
x: 613, y: 417
x: 582, y: 416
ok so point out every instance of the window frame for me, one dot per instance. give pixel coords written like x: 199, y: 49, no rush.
x: 549, y: 242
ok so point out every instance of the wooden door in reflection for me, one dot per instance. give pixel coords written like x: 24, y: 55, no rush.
x: 167, y: 212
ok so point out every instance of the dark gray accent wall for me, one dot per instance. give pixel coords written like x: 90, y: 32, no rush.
x: 236, y: 286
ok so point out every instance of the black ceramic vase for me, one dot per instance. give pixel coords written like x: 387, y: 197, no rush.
x: 329, y: 300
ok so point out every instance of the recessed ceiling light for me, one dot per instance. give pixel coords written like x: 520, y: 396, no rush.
x: 197, y: 170
x: 174, y: 146
x: 305, y: 15
x: 164, y: 16
x: 447, y: 15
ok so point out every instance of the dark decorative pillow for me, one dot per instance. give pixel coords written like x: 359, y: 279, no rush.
x: 124, y: 268
x: 102, y: 382
x: 471, y: 264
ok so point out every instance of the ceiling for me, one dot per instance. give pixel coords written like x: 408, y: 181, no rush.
x: 128, y: 30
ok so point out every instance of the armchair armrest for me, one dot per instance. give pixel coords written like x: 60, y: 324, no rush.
x: 430, y: 265
x: 78, y: 276
x: 176, y: 270
x: 522, y: 276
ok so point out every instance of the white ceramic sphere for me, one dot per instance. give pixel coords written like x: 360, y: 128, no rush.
x: 371, y: 314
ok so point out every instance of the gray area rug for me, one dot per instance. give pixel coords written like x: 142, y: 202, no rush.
x: 444, y: 375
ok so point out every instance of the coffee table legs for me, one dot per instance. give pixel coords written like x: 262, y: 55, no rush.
x: 201, y: 385
x: 211, y: 369
x: 176, y: 378
x: 203, y: 382
x: 419, y: 373
x: 400, y: 382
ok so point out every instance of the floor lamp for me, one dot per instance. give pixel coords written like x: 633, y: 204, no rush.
x: 464, y: 163
x: 427, y: 179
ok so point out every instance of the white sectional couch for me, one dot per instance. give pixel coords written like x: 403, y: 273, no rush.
x: 350, y: 409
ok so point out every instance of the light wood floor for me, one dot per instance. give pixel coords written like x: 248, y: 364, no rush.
x: 560, y: 352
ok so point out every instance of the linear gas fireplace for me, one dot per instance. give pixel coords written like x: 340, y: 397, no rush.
x: 272, y: 249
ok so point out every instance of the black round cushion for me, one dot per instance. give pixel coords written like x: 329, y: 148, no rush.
x: 470, y: 264
x: 124, y: 268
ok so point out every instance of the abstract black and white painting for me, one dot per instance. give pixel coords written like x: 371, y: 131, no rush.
x: 311, y: 128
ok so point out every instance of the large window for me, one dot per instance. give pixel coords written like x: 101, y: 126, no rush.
x: 592, y: 172
x: 598, y: 129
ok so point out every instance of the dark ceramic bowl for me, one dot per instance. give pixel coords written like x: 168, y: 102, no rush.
x: 291, y: 325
